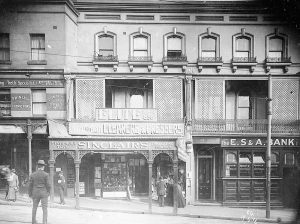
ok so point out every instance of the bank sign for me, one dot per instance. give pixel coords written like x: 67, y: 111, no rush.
x: 259, y: 142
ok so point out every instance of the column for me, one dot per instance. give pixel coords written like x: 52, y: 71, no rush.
x: 175, y: 169
x: 51, y: 166
x: 150, y: 164
x: 29, y: 138
x: 77, y: 165
x: 69, y: 95
x: 15, y: 156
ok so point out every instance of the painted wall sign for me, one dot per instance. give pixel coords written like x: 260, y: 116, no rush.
x: 56, y: 102
x: 126, y: 114
x: 31, y: 83
x: 20, y: 102
x: 125, y: 129
x: 112, y: 145
x: 259, y: 142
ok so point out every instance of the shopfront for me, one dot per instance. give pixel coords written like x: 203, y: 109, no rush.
x: 243, y: 174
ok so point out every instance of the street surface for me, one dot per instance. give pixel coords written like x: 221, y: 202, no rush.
x: 22, y: 214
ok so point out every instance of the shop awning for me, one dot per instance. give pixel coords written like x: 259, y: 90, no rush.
x: 57, y: 129
x: 10, y: 129
x: 182, y: 154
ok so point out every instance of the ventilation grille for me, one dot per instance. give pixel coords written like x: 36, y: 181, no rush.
x: 175, y: 18
x: 243, y: 18
x: 209, y: 99
x: 168, y: 99
x: 285, y: 99
x: 139, y: 17
x: 89, y: 96
x: 103, y: 17
x: 209, y: 18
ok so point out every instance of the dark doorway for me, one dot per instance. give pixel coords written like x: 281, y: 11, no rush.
x: 204, y: 178
x: 289, y: 186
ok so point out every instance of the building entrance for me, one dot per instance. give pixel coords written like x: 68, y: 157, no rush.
x: 204, y: 177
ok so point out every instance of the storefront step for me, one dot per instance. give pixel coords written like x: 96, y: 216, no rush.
x: 207, y: 203
x: 252, y: 204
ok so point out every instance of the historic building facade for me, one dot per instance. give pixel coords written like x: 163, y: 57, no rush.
x: 130, y: 91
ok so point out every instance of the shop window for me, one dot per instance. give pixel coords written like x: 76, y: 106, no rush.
x: 289, y: 159
x: 37, y: 47
x: 4, y: 47
x: 245, y: 161
x: 275, y: 165
x: 128, y: 94
x: 231, y: 164
x: 39, y: 102
x: 5, y: 102
x: 259, y: 164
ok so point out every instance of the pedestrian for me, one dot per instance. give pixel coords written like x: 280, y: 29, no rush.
x: 39, y: 190
x: 13, y: 185
x: 161, y: 191
x: 61, y: 185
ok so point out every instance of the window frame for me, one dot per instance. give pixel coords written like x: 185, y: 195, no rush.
x: 5, y: 35
x: 132, y: 49
x: 181, y: 36
x: 39, y: 102
x: 214, y: 36
x: 284, y: 39
x: 39, y: 48
x: 250, y: 38
x: 98, y: 36
x: 251, y: 109
x: 7, y: 103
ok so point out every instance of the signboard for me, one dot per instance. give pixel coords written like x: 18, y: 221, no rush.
x: 81, y: 188
x: 28, y: 83
x: 112, y: 145
x: 259, y: 142
x: 20, y: 102
x: 127, y: 129
x: 56, y: 102
x: 104, y: 114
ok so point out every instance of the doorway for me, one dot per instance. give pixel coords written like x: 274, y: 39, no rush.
x: 205, y: 177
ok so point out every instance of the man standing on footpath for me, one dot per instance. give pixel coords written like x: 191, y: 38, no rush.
x: 61, y: 185
x: 161, y: 191
x: 39, y: 190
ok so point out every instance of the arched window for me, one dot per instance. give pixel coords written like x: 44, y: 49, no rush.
x: 243, y: 47
x: 105, y: 44
x: 140, y: 44
x: 276, y: 46
x: 174, y: 45
x: 208, y: 47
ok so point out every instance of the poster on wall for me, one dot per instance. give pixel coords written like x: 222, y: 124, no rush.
x: 81, y: 188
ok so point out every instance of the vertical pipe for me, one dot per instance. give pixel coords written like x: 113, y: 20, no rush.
x: 268, y: 153
x: 51, y: 166
x: 150, y: 185
x: 175, y: 187
x: 15, y: 157
x: 77, y: 164
x: 29, y: 138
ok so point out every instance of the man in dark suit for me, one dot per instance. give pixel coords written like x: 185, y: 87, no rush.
x: 61, y: 185
x: 39, y: 190
x: 161, y: 191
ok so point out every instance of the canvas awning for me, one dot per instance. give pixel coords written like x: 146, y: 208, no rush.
x: 10, y: 129
x: 57, y: 129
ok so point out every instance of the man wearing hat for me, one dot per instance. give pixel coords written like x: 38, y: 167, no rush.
x: 39, y: 190
x: 61, y: 185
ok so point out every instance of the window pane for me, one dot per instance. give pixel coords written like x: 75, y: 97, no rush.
x: 242, y: 44
x: 39, y: 109
x: 241, y: 54
x: 4, y: 54
x: 174, y: 53
x: 37, y: 41
x: 231, y: 158
x: 289, y: 159
x: 38, y: 96
x: 5, y: 102
x: 275, y: 54
x: 208, y: 54
x: 140, y: 43
x: 244, y: 101
x: 140, y: 53
x: 276, y: 44
x: 4, y: 40
x: 274, y: 158
x: 231, y: 170
x: 136, y: 101
x: 34, y: 54
x: 105, y: 42
x: 245, y: 170
x: 258, y: 157
x: 208, y: 44
x: 106, y: 52
x: 259, y: 169
x: 245, y: 157
x: 243, y: 113
x: 174, y: 43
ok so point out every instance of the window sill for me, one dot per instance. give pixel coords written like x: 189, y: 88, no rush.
x: 37, y: 62
x: 243, y: 62
x: 2, y: 62
x: 210, y: 62
x: 140, y: 62
x: 277, y: 63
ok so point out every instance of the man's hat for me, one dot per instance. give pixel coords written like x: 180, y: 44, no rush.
x: 41, y: 162
x: 13, y: 170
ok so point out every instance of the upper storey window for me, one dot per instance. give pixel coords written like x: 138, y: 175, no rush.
x: 106, y: 45
x: 277, y: 51
x: 140, y: 46
x: 37, y: 47
x: 5, y: 102
x: 208, y: 47
x: 243, y: 47
x: 174, y: 46
x: 4, y: 47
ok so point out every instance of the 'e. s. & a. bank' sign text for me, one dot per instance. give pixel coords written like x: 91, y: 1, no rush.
x: 259, y: 142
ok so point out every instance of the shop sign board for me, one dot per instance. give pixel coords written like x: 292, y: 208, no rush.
x: 115, y: 114
x: 259, y: 142
x: 127, y: 129
x: 20, y: 102
x: 112, y: 145
x: 81, y: 188
x: 28, y: 83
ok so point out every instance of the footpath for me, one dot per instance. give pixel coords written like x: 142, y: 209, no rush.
x: 140, y: 206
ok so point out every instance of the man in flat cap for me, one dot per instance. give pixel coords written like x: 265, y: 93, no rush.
x: 39, y: 190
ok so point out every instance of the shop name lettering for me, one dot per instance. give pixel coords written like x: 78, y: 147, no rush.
x: 27, y: 83
x: 126, y: 114
x: 110, y: 145
x: 126, y: 129
x: 259, y: 142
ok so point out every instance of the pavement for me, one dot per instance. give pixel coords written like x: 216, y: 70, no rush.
x: 139, y: 205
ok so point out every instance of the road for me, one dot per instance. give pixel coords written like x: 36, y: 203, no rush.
x: 22, y: 214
